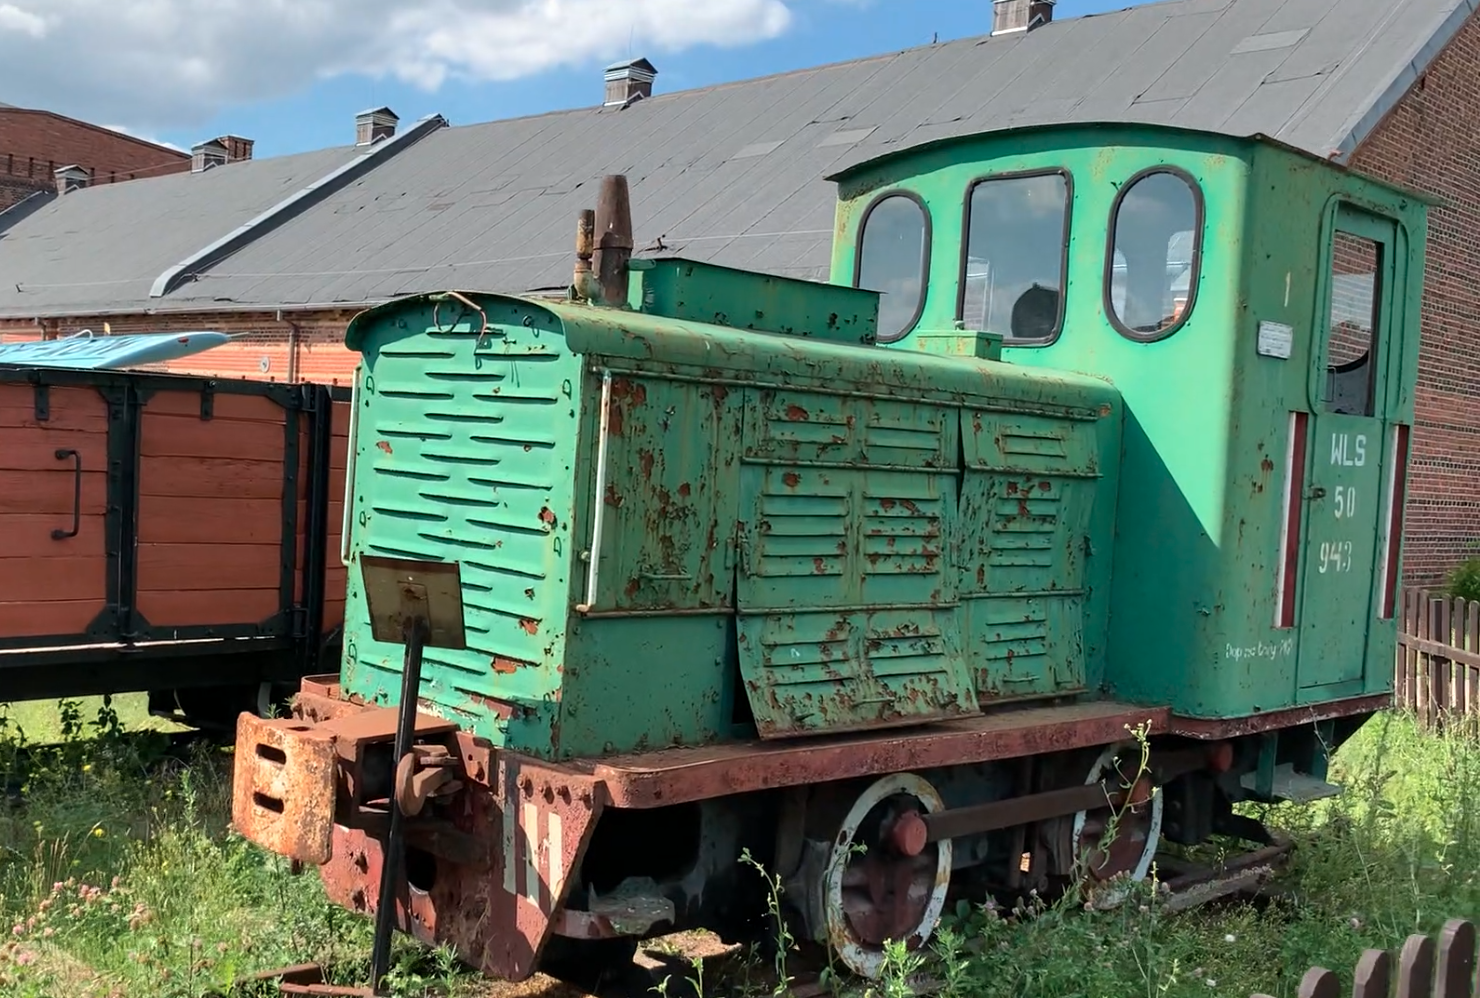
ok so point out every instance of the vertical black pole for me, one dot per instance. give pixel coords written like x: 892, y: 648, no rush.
x: 390, y: 867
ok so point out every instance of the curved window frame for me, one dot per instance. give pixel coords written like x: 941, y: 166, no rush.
x: 971, y: 187
x: 1199, y: 221
x: 928, y: 237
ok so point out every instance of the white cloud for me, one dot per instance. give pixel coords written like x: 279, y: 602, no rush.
x: 173, y: 63
x: 16, y: 20
x: 125, y: 130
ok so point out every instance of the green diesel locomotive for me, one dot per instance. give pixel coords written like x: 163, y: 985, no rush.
x: 1076, y: 494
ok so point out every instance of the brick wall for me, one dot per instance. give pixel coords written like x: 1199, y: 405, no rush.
x: 1431, y: 141
x: 34, y: 143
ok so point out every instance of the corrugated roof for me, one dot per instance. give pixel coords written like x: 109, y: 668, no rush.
x: 734, y: 173
x: 103, y: 246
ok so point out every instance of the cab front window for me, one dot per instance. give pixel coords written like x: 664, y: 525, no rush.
x: 1017, y: 239
x: 893, y: 257
x: 1155, y: 250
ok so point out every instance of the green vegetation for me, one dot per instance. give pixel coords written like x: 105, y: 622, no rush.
x: 1464, y: 581
x: 119, y: 876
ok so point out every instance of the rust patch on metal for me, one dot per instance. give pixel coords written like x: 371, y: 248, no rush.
x: 797, y: 414
x: 684, y: 490
x: 504, y: 856
x: 547, y: 516
x: 384, y: 445
x: 674, y: 776
x: 791, y: 479
x: 283, y: 786
x: 1232, y: 727
x: 645, y: 460
x: 508, y: 666
x: 529, y: 625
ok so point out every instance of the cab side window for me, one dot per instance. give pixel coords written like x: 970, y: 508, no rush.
x: 893, y: 258
x: 1155, y: 249
x: 1355, y: 293
x: 1017, y: 239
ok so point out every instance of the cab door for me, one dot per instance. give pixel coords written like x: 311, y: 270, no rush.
x: 1358, y: 335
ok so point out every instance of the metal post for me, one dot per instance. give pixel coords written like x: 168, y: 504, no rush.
x: 416, y: 630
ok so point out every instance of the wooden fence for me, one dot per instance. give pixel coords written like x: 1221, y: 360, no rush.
x: 1420, y: 973
x: 1438, y: 668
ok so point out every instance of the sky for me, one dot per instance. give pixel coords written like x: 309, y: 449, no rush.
x: 291, y: 74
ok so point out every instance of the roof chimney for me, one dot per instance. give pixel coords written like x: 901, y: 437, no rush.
x: 373, y: 125
x: 629, y: 81
x: 1009, y: 16
x: 237, y: 148
x: 70, y: 178
x: 206, y: 155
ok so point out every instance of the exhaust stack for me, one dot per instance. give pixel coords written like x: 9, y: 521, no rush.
x: 613, y: 232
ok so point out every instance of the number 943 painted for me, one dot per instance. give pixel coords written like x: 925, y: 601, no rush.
x: 1095, y: 438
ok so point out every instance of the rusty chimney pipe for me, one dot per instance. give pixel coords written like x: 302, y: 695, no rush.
x: 585, y: 283
x: 613, y: 239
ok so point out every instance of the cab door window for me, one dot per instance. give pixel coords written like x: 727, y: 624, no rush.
x: 1356, y: 290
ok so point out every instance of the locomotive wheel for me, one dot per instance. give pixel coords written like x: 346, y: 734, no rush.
x: 881, y: 893
x: 1137, y: 832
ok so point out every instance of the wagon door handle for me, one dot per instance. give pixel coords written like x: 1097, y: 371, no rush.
x: 62, y: 454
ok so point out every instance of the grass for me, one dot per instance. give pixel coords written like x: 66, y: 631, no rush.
x: 120, y: 876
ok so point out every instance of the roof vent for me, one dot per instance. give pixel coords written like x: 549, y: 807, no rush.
x: 374, y: 125
x: 71, y: 178
x: 206, y: 155
x: 629, y: 81
x: 1010, y: 16
x: 237, y: 148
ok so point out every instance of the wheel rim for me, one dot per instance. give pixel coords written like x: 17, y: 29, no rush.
x: 1131, y: 851
x: 883, y: 894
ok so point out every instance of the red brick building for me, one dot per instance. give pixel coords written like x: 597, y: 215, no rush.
x: 735, y: 174
x: 34, y: 144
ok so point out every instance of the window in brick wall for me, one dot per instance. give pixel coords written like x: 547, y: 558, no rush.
x: 1350, y: 333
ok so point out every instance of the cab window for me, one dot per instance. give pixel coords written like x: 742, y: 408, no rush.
x: 1156, y: 237
x: 1017, y: 239
x: 893, y: 257
x: 1355, y: 293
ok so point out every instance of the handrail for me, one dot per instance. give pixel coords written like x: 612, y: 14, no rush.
x: 598, y: 501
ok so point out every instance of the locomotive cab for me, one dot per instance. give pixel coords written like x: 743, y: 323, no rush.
x: 1258, y: 311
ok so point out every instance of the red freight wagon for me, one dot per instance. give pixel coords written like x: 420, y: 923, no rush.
x: 168, y: 533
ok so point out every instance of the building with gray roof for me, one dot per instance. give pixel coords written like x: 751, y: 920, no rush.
x: 734, y: 174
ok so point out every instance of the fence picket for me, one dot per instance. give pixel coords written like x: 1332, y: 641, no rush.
x: 1410, y: 655
x: 1416, y: 968
x: 1319, y: 982
x: 1457, y: 961
x: 1374, y: 974
x: 1425, y: 663
x: 1472, y: 644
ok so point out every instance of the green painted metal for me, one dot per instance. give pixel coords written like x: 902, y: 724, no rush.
x: 804, y: 533
x: 706, y: 292
x: 1197, y: 538
x: 782, y: 544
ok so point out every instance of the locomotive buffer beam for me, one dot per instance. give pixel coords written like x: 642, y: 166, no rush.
x: 912, y: 832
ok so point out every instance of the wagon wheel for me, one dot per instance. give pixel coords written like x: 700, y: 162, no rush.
x: 894, y: 887
x: 1136, y: 834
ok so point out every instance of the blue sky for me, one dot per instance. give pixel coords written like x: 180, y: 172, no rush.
x: 320, y: 112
